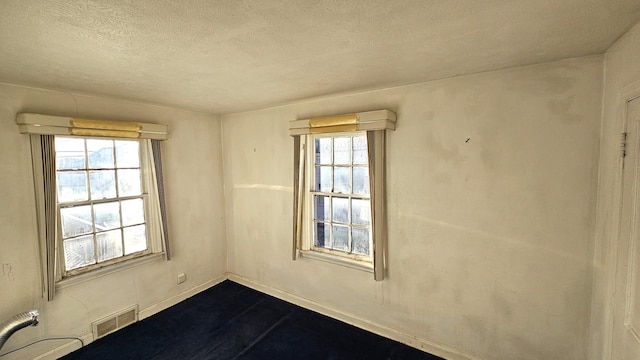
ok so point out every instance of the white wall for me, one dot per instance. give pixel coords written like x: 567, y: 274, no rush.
x: 622, y: 74
x: 490, y: 239
x: 193, y: 185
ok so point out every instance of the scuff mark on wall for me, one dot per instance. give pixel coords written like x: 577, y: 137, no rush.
x: 7, y: 271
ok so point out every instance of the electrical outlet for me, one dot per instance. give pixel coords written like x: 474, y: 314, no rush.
x: 182, y: 277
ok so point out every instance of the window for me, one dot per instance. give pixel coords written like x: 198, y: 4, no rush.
x: 339, y: 170
x: 101, y: 196
x: 341, y: 209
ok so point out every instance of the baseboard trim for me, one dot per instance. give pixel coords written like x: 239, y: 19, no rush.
x: 65, y: 348
x: 167, y: 303
x: 73, y: 345
x: 429, y: 346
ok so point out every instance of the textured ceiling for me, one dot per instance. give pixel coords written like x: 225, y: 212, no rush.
x: 232, y: 55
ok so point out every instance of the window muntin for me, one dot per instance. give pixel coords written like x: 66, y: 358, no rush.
x: 340, y: 196
x: 101, y: 202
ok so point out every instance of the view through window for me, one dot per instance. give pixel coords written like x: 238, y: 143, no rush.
x: 101, y: 201
x: 341, y: 196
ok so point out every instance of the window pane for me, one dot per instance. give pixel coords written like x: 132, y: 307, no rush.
x: 341, y: 210
x: 109, y: 245
x: 90, y: 171
x: 135, y: 239
x: 127, y: 153
x: 107, y: 216
x: 323, y: 178
x: 129, y: 182
x: 360, y: 155
x: 342, y: 151
x: 103, y: 184
x: 72, y: 186
x: 322, y: 208
x: 323, y: 151
x: 360, y: 241
x: 70, y: 153
x: 361, y: 180
x: 100, y: 154
x: 132, y: 212
x: 323, y: 234
x: 76, y: 221
x: 79, y: 252
x: 340, y: 238
x: 341, y: 180
x: 360, y: 211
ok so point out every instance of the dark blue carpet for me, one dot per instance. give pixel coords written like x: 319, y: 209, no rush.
x: 230, y: 321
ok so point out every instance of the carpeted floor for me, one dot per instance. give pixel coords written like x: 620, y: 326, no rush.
x: 231, y: 321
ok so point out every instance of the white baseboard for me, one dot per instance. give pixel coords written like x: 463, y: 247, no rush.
x: 66, y: 348
x: 156, y: 308
x: 72, y: 345
x: 431, y: 347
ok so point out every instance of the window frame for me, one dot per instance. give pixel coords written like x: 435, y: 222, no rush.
x: 305, y: 248
x: 374, y: 123
x: 308, y: 241
x: 154, y: 230
x: 42, y: 129
x: 151, y: 220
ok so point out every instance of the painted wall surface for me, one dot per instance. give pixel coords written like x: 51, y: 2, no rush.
x: 491, y: 200
x: 622, y: 75
x: 193, y: 184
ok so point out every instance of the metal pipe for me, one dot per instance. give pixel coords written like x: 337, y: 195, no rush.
x: 7, y: 328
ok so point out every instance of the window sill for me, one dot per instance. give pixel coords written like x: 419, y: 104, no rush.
x: 337, y: 260
x: 91, y: 275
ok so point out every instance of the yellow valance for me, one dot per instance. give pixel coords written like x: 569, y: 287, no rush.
x: 60, y: 125
x: 369, y: 120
